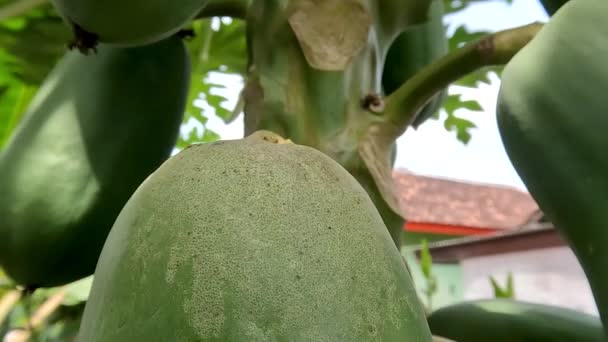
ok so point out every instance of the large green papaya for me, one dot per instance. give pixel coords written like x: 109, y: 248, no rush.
x: 506, y: 320
x: 127, y: 23
x: 256, y: 239
x: 411, y: 51
x: 98, y: 126
x: 552, y: 115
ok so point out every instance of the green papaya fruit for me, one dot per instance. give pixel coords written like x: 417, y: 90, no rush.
x: 97, y: 127
x: 127, y: 23
x: 507, y: 320
x: 552, y: 116
x: 551, y: 6
x: 255, y: 239
x: 411, y: 51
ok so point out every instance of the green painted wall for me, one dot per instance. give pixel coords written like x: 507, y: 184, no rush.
x: 449, y: 282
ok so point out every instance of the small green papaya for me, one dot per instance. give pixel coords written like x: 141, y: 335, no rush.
x: 507, y: 320
x: 552, y: 116
x: 97, y: 127
x: 551, y: 6
x: 255, y: 239
x: 126, y: 23
x: 411, y: 51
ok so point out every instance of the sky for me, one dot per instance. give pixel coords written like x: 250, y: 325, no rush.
x: 431, y: 150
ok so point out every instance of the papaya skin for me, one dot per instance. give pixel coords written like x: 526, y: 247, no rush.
x: 552, y: 118
x: 256, y: 239
x: 98, y: 126
x: 125, y: 23
x: 507, y: 320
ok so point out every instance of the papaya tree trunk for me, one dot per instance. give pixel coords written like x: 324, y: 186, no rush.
x: 315, y: 70
x: 315, y: 76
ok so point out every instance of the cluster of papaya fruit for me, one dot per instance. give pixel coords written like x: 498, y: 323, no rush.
x: 252, y: 239
x: 260, y: 238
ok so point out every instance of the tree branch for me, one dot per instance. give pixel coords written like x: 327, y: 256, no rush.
x: 402, y: 106
x: 225, y: 8
x: 17, y: 8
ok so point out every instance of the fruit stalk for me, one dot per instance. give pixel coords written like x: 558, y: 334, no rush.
x: 402, y: 106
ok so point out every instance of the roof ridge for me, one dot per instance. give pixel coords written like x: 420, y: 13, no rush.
x: 404, y: 171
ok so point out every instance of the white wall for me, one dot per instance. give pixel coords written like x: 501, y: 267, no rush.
x: 549, y: 276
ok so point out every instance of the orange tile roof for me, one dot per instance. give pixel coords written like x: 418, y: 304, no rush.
x: 460, y: 203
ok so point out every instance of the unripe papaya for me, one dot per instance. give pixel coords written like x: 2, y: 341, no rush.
x: 127, y: 23
x: 507, y: 320
x: 411, y: 51
x: 255, y: 239
x: 551, y: 6
x: 98, y: 126
x: 553, y: 117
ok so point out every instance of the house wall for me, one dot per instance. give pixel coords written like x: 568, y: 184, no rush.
x: 415, y: 238
x: 549, y: 276
x: 449, y: 282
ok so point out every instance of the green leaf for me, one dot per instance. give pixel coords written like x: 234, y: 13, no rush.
x: 503, y: 292
x: 454, y: 123
x: 30, y: 46
x: 78, y: 291
x: 218, y: 47
x: 426, y: 260
x: 13, y: 103
x: 461, y: 126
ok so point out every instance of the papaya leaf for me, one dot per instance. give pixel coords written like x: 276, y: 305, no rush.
x: 454, y: 102
x: 426, y: 260
x: 218, y: 47
x: 13, y: 103
x: 461, y: 126
x: 78, y: 291
x: 503, y: 292
x: 30, y: 46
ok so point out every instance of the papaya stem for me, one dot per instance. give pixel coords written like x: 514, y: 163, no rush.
x: 83, y: 40
x: 225, y: 8
x: 402, y: 106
